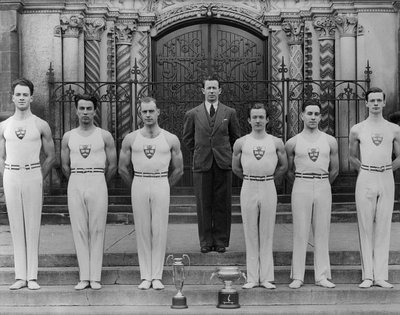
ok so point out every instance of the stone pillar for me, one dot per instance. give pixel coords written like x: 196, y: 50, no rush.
x: 123, y: 33
x: 294, y: 30
x: 94, y: 27
x: 9, y: 61
x: 346, y: 110
x: 71, y: 27
x: 9, y: 55
x: 325, y: 27
x: 347, y: 27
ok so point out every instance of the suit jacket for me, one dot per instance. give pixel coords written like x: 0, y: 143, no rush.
x: 206, y: 143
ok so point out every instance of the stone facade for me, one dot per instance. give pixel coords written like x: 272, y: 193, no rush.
x: 36, y: 33
x: 111, y: 40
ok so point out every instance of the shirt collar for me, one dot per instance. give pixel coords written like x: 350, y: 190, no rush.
x: 208, y: 105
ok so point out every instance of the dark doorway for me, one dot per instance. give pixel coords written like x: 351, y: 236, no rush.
x: 185, y: 56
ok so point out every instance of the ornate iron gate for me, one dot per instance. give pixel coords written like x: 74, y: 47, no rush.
x: 175, y: 98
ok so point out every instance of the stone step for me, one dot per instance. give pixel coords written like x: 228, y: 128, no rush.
x: 191, y: 208
x: 197, y: 275
x: 190, y: 217
x: 281, y: 258
x: 316, y: 309
x: 198, y: 295
x: 186, y: 199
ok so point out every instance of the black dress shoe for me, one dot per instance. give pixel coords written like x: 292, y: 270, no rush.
x: 205, y: 249
x: 220, y: 249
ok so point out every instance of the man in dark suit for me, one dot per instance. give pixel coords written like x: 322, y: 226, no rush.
x: 209, y: 131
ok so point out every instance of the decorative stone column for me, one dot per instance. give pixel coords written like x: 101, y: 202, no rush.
x: 347, y: 27
x: 396, y: 6
x: 71, y: 27
x: 346, y: 110
x: 325, y: 27
x: 123, y: 33
x: 9, y: 54
x: 294, y: 30
x: 94, y: 27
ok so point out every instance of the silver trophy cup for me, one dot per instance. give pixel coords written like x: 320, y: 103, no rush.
x: 228, y: 297
x: 178, y: 276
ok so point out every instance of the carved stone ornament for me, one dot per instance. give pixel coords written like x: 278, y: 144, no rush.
x: 209, y: 10
x: 71, y: 25
x: 325, y: 26
x: 94, y: 28
x: 124, y: 32
x: 396, y: 5
x: 346, y: 24
x: 294, y: 31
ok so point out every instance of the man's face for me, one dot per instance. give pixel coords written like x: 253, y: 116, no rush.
x: 149, y: 113
x: 258, y: 119
x: 375, y: 102
x: 311, y: 116
x: 211, y: 91
x: 22, y: 97
x: 85, y: 112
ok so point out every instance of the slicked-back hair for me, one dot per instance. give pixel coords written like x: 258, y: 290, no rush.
x: 257, y: 106
x: 23, y: 82
x: 310, y: 102
x: 211, y: 78
x: 374, y: 90
x: 86, y: 97
x: 147, y: 99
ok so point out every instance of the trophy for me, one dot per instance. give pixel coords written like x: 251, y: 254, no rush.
x: 228, y: 297
x: 178, y: 275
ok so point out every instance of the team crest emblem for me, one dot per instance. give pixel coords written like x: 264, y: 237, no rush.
x: 313, y: 154
x: 20, y: 132
x: 85, y: 149
x: 149, y: 150
x: 258, y: 152
x: 377, y: 138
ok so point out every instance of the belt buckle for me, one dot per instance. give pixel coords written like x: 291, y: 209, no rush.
x: 26, y: 167
x: 381, y: 169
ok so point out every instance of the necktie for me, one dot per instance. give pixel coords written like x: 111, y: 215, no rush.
x: 212, y: 110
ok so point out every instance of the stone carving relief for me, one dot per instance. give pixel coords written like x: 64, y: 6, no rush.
x: 71, y: 25
x: 325, y: 27
x: 294, y: 30
x: 94, y: 28
x: 208, y: 10
x: 346, y: 24
x: 124, y: 32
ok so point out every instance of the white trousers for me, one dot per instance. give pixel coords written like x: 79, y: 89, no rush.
x: 258, y: 205
x: 311, y: 205
x: 374, y: 202
x: 150, y: 203
x: 23, y: 191
x: 87, y: 205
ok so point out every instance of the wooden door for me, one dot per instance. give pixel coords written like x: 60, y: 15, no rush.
x: 184, y: 57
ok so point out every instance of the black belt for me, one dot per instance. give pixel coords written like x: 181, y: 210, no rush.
x: 81, y: 170
x: 311, y: 175
x: 151, y: 174
x: 258, y: 178
x: 15, y: 167
x: 373, y: 168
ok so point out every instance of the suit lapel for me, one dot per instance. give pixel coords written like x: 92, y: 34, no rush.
x: 202, y: 116
x: 219, y: 116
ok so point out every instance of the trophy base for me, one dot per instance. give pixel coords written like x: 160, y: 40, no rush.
x: 228, y: 300
x: 179, y: 302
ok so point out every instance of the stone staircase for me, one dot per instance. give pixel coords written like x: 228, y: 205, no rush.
x: 58, y: 271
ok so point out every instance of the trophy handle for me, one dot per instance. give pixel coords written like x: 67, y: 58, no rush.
x: 169, y: 259
x: 188, y: 259
x: 213, y: 275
